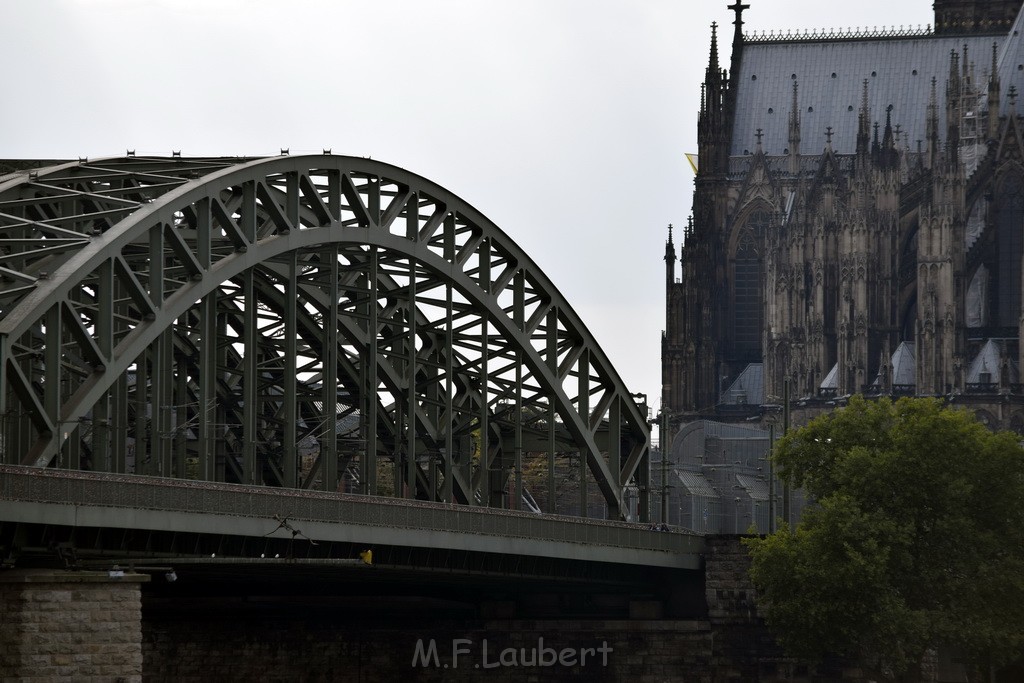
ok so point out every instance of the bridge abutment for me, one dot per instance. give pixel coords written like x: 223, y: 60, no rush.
x: 70, y: 625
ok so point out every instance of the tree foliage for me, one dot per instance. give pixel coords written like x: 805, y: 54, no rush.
x: 915, y: 541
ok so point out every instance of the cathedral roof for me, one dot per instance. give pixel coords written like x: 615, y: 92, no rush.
x: 747, y: 388
x: 831, y: 380
x: 1011, y: 59
x: 989, y: 361
x: 831, y: 74
x: 696, y: 484
x: 904, y: 367
x: 755, y: 488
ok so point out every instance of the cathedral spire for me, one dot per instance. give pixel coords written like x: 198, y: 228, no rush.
x: 794, y: 123
x: 993, y: 95
x: 933, y: 125
x: 670, y: 258
x: 713, y: 67
x: 953, y: 84
x: 954, y: 91
x: 889, y: 155
x: 711, y: 126
x: 864, y: 123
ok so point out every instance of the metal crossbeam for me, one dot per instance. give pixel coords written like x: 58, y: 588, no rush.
x: 320, y: 322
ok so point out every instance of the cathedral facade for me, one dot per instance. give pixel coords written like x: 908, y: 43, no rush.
x: 858, y: 221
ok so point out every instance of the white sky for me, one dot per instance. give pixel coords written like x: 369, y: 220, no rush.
x: 563, y: 121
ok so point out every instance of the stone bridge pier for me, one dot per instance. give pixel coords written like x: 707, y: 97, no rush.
x: 70, y: 625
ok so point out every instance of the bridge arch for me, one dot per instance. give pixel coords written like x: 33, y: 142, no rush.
x: 292, y: 321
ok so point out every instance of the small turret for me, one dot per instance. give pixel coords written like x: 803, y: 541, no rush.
x: 993, y: 95
x: 932, y: 133
x: 889, y: 157
x: 794, y: 133
x: 670, y: 259
x: 954, y: 88
x: 864, y: 124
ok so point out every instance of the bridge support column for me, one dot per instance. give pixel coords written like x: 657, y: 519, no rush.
x: 63, y: 625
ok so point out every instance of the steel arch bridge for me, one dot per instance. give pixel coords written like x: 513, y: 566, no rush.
x: 320, y: 322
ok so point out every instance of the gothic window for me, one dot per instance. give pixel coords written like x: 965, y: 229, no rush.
x: 976, y: 305
x: 975, y: 222
x: 748, y: 309
x: 1009, y: 224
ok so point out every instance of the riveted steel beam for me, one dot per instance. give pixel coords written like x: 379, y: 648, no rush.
x: 313, y: 321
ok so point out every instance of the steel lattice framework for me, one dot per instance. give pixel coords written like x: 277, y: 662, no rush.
x: 300, y: 321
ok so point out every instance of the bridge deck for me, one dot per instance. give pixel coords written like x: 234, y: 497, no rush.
x: 83, y: 499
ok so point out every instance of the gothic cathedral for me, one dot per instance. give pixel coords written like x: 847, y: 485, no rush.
x: 858, y: 221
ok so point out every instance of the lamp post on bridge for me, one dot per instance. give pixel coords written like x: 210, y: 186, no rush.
x: 665, y: 445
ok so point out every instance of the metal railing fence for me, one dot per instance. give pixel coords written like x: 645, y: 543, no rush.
x: 29, y: 484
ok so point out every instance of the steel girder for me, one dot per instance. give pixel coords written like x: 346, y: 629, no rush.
x: 315, y: 321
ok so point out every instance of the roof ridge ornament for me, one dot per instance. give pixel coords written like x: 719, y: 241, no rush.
x: 815, y: 35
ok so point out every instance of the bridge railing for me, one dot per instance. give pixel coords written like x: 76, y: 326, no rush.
x: 46, y: 485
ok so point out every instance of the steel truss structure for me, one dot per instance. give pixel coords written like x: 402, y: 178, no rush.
x: 319, y: 322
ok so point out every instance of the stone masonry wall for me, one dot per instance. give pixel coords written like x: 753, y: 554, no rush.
x: 744, y: 650
x: 70, y: 626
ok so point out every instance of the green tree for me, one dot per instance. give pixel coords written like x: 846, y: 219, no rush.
x: 915, y: 541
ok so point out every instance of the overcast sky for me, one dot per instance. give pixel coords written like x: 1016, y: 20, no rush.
x: 563, y: 121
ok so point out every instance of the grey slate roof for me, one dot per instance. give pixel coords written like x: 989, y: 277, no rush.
x: 990, y: 360
x: 696, y: 484
x: 1011, y: 59
x: 748, y: 387
x: 831, y: 380
x: 755, y: 488
x: 904, y: 367
x: 830, y: 78
x: 987, y: 361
